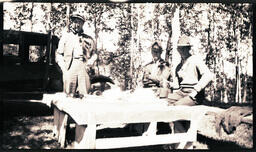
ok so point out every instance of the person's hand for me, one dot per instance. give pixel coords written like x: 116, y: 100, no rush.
x: 153, y: 78
x: 63, y: 69
x: 187, y: 100
x: 176, y: 90
x: 193, y: 94
x: 148, y: 77
x: 145, y: 78
x: 90, y: 63
x: 173, y: 85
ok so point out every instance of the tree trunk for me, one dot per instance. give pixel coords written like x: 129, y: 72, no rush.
x: 31, y: 16
x: 238, y: 78
x: 96, y: 40
x: 225, y: 97
x: 175, y: 57
x: 67, y: 15
x: 209, y: 56
x: 152, y: 8
x: 245, y: 88
x: 245, y: 82
x: 213, y: 49
x: 138, y: 44
x: 49, y: 24
x: 212, y: 53
x: 135, y: 53
x: 169, y: 48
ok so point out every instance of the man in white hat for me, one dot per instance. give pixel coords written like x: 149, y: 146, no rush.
x: 191, y: 77
x: 75, y: 52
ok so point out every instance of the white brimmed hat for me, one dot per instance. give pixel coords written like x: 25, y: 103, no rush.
x: 77, y: 15
x: 184, y: 41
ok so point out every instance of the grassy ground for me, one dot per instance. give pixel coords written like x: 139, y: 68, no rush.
x: 29, y: 126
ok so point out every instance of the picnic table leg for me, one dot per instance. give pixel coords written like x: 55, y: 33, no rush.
x: 85, y: 137
x: 55, y: 122
x: 192, y: 132
x: 63, y: 118
x: 189, y: 145
x: 181, y: 145
x: 151, y: 130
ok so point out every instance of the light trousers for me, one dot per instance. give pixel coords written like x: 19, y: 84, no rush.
x: 76, y: 79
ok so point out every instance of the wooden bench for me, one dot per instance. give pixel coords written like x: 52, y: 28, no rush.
x: 96, y: 110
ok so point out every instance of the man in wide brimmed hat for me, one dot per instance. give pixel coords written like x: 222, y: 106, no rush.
x: 192, y: 75
x: 75, y: 52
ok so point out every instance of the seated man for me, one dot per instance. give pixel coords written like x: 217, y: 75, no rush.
x: 157, y: 72
x: 191, y: 77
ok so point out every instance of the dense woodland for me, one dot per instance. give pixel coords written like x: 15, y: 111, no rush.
x: 124, y: 32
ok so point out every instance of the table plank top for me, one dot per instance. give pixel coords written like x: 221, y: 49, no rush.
x: 106, y: 110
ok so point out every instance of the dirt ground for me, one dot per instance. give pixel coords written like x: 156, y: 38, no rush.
x: 33, y: 130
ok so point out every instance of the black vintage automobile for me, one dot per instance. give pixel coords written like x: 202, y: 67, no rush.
x: 28, y: 68
x: 28, y: 64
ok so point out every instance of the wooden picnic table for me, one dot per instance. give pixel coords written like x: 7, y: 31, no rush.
x: 99, y: 110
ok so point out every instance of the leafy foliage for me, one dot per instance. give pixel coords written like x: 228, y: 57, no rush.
x: 222, y: 34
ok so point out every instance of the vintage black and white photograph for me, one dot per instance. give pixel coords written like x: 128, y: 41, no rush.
x: 126, y: 76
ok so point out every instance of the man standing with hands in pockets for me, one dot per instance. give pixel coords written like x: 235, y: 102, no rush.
x: 76, y: 51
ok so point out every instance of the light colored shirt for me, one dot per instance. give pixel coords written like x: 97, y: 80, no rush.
x: 77, y: 46
x: 154, y: 72
x: 190, y: 71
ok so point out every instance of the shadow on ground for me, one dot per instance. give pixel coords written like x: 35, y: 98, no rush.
x: 12, y: 109
x: 26, y: 125
x: 218, y: 145
x: 28, y: 132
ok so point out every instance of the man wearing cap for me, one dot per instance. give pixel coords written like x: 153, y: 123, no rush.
x: 191, y: 76
x: 155, y: 74
x: 157, y: 71
x: 75, y: 52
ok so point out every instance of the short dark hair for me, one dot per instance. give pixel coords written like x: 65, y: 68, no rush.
x: 158, y: 47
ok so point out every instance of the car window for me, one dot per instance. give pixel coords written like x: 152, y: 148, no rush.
x: 37, y: 53
x: 10, y: 49
x: 11, y: 54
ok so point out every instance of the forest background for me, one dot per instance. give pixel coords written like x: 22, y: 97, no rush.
x: 124, y: 33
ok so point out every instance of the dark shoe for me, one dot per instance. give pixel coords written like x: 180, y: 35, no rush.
x: 169, y: 147
x: 81, y: 96
x: 70, y: 95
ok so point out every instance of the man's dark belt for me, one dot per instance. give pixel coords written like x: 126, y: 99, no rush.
x: 80, y: 58
x: 185, y: 87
